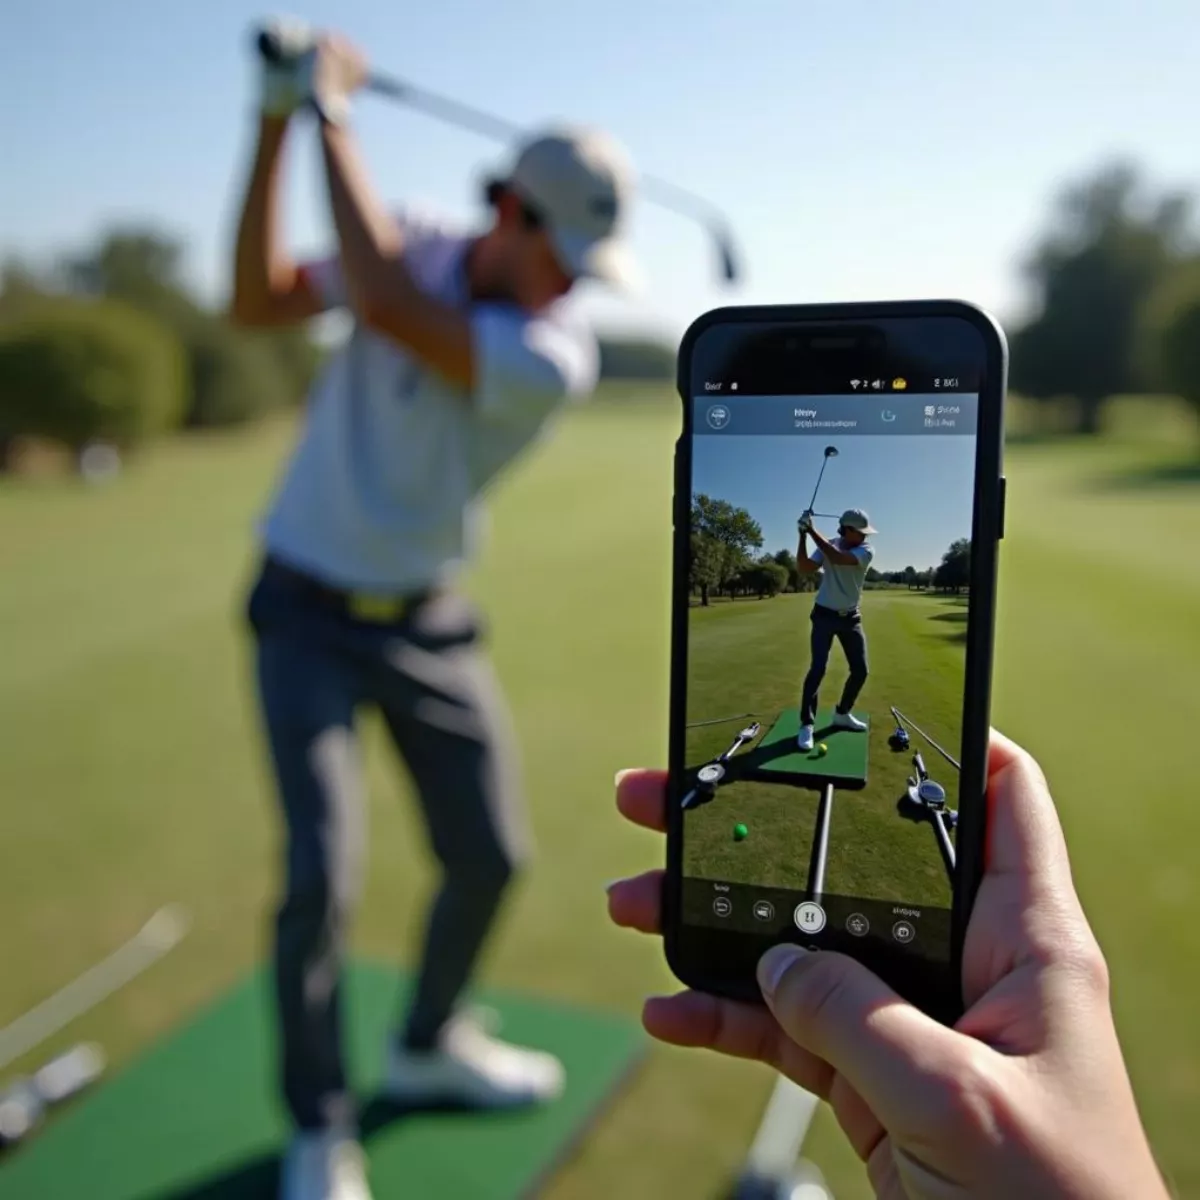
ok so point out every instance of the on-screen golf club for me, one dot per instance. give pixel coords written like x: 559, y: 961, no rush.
x: 710, y: 776
x: 928, y: 797
x: 830, y: 452
x: 902, y: 721
x: 273, y: 44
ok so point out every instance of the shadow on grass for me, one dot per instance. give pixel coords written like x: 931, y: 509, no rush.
x: 258, y: 1178
x: 1150, y: 475
x: 959, y: 614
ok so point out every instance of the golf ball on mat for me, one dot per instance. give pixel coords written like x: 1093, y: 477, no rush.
x: 739, y: 832
x: 822, y: 749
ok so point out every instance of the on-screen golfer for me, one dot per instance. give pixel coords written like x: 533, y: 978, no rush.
x: 460, y: 354
x: 835, y: 614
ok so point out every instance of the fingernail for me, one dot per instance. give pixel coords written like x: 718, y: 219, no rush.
x: 621, y: 775
x: 775, y: 964
x: 612, y: 883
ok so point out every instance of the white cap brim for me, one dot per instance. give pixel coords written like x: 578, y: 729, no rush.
x: 609, y: 260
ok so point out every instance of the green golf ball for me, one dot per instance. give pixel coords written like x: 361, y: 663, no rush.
x: 740, y: 832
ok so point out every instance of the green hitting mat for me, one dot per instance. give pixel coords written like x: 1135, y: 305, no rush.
x: 196, y: 1117
x: 845, y: 763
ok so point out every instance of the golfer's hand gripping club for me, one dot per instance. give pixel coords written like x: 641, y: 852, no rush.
x: 311, y: 68
x: 282, y: 44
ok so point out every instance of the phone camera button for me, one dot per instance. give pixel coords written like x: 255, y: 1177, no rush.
x: 809, y: 917
x: 903, y: 932
x: 764, y: 910
x: 722, y: 906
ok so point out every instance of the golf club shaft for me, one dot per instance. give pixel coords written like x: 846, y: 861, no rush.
x: 782, y: 1131
x: 903, y: 720
x: 820, y: 849
x: 145, y: 948
x: 820, y: 476
x: 658, y: 191
x: 945, y: 845
x: 718, y: 721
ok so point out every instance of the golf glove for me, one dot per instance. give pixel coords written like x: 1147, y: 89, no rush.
x: 283, y: 84
x: 805, y: 522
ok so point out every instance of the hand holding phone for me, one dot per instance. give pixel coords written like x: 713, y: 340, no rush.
x: 829, y: 827
x: 1035, y: 1054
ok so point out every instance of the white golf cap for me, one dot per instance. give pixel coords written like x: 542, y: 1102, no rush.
x: 580, y: 182
x: 855, y: 518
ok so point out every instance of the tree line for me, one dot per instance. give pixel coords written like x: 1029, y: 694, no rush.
x: 1115, y: 287
x: 726, y: 559
x: 110, y: 344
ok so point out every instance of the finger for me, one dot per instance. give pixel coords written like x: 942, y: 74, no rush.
x: 642, y: 798
x: 889, y: 1052
x: 1024, y: 835
x: 637, y: 903
x: 700, y: 1021
x: 696, y: 1020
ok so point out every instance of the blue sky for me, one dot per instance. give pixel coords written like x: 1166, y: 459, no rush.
x: 916, y: 490
x: 864, y: 150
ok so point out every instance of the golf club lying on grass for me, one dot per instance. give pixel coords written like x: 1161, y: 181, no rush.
x: 710, y: 776
x: 928, y: 798
x: 902, y: 721
x: 24, y: 1103
x: 718, y: 721
x: 773, y: 1169
x: 272, y: 45
x: 160, y: 934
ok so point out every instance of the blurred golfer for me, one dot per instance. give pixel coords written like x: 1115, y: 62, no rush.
x: 844, y: 563
x: 460, y: 355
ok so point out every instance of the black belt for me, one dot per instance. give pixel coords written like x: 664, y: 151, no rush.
x: 379, y: 607
x: 837, y: 612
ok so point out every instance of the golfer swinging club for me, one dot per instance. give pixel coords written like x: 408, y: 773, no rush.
x: 835, y: 614
x: 460, y: 355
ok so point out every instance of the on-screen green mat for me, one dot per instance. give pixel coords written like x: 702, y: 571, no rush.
x: 845, y: 764
x: 196, y: 1117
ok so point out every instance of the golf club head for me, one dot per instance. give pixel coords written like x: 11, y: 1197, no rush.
x: 831, y: 452
x: 281, y: 40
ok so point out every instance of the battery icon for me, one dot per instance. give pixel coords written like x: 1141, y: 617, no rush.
x: 899, y: 384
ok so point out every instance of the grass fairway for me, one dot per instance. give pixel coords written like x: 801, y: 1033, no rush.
x: 132, y: 773
x: 751, y: 656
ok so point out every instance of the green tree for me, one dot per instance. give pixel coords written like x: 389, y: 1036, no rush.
x: 233, y: 378
x: 954, y: 572
x: 763, y: 578
x: 735, y: 533
x: 1170, y: 332
x: 77, y: 371
x: 1108, y: 245
x: 707, y: 565
x: 235, y: 374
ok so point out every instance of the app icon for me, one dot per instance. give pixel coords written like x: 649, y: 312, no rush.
x: 857, y: 925
x: 722, y: 906
x: 763, y: 910
x: 718, y: 416
x: 903, y: 932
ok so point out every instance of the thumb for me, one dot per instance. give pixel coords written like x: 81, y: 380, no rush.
x: 891, y: 1053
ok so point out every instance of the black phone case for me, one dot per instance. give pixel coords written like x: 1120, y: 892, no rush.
x: 987, y: 531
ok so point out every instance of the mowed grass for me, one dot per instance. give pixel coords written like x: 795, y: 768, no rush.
x: 132, y: 773
x: 751, y: 656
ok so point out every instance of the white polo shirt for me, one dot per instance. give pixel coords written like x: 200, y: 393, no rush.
x: 841, y: 586
x: 383, y: 490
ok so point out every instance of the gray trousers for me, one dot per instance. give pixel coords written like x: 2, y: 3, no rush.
x: 847, y: 629
x: 429, y: 677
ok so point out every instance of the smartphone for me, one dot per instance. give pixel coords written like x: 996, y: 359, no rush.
x: 839, y: 502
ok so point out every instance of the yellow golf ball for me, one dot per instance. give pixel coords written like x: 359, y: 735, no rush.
x: 822, y: 749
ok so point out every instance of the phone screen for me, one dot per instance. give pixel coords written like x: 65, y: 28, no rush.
x: 830, y: 506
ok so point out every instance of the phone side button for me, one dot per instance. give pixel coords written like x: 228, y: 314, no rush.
x: 1003, y: 507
